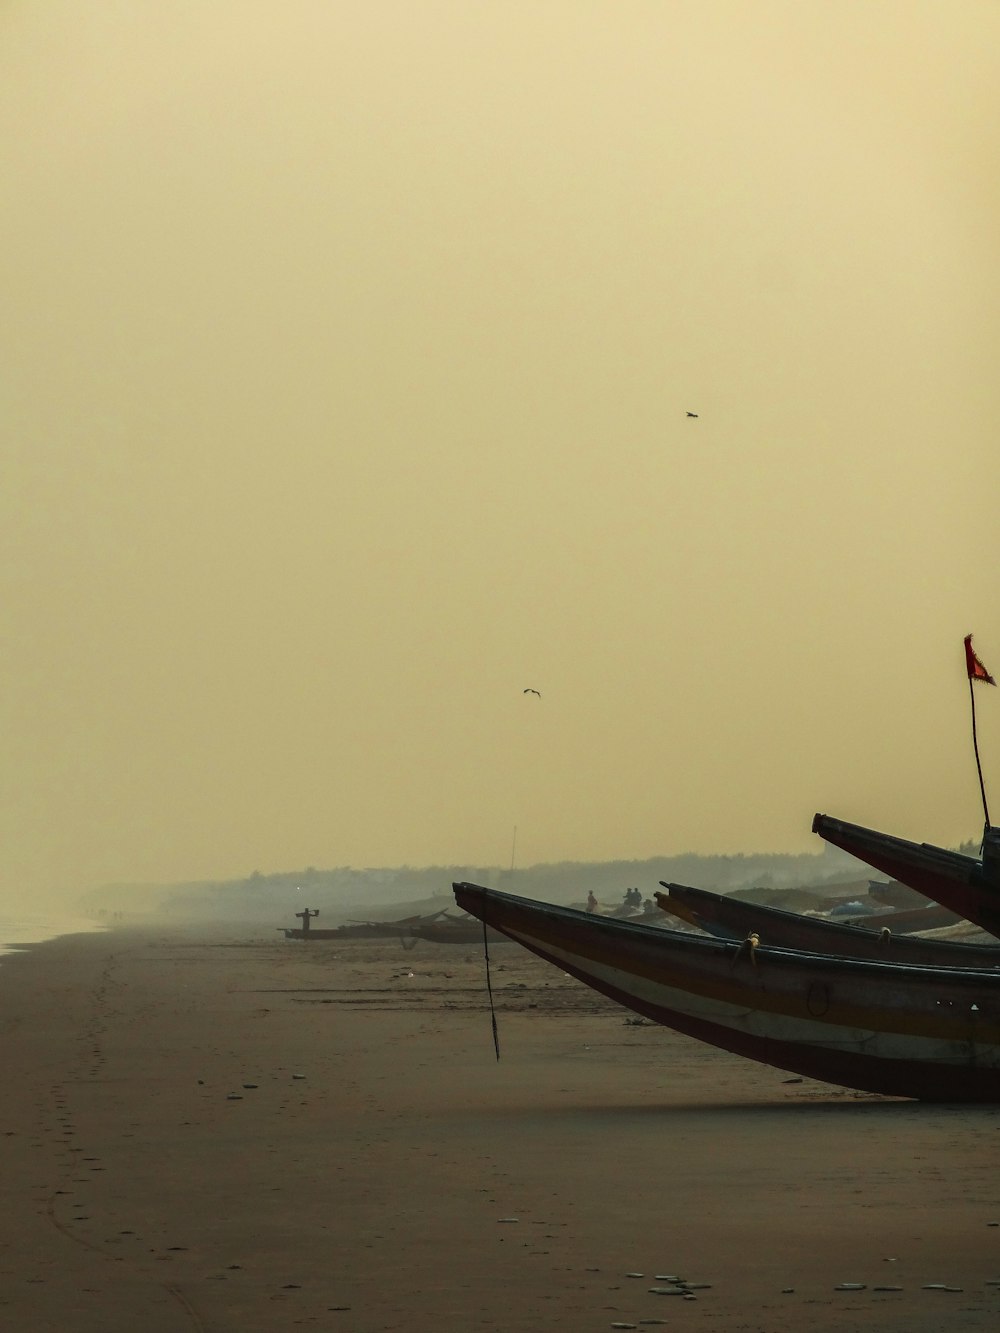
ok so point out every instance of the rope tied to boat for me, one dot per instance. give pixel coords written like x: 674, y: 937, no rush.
x: 489, y: 990
x: 749, y: 947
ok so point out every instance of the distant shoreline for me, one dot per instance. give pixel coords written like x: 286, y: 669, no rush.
x: 18, y: 933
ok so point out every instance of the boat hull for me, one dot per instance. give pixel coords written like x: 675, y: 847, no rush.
x: 457, y: 932
x: 297, y: 933
x: 366, y: 930
x: 734, y: 918
x: 930, y: 1034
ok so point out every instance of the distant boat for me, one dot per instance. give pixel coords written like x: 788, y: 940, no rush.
x: 927, y: 1033
x: 905, y: 921
x: 361, y: 930
x: 734, y: 918
x: 437, y: 927
x: 966, y: 886
x: 446, y: 929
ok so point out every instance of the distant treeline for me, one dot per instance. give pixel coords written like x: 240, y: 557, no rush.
x: 346, y: 893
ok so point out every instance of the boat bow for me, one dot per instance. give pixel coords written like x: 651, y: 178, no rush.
x: 928, y: 1033
x: 966, y: 886
x: 734, y: 918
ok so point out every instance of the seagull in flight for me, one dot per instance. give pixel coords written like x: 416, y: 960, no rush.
x: 538, y: 692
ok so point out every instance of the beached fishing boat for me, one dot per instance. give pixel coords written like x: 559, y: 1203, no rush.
x: 966, y: 886
x: 908, y: 920
x: 445, y: 929
x: 366, y: 930
x: 369, y: 930
x: 927, y: 1033
x: 734, y: 919
x: 297, y: 933
x: 362, y: 930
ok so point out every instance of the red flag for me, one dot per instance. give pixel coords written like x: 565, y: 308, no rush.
x: 973, y: 665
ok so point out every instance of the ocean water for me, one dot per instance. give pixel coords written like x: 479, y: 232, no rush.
x: 16, y: 931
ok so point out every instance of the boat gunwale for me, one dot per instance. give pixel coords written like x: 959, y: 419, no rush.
x: 954, y: 865
x: 963, y: 977
x: 838, y: 929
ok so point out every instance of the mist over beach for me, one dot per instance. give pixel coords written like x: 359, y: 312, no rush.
x: 369, y: 366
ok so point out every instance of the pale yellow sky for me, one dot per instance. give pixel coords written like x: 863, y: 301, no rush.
x: 346, y: 356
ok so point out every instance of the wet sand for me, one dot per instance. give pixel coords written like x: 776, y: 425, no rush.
x: 232, y: 1131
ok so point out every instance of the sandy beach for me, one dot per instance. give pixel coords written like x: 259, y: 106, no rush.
x: 233, y: 1131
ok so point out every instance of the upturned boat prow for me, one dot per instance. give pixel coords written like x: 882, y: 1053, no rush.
x: 969, y: 887
x: 735, y: 918
x: 927, y: 1033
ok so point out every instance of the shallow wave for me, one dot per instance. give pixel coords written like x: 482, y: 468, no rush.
x: 16, y: 931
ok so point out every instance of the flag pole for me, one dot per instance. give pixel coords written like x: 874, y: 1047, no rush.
x: 976, y: 671
x: 975, y: 747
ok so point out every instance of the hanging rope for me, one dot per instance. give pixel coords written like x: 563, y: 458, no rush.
x: 489, y: 991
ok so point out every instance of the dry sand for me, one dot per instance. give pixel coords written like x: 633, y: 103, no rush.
x: 384, y: 1172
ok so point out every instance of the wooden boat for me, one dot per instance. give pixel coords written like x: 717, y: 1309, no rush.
x: 446, y: 929
x: 735, y: 918
x: 439, y: 928
x: 928, y: 1033
x: 907, y: 921
x: 966, y: 886
x: 368, y: 930
x: 363, y: 930
x: 297, y: 933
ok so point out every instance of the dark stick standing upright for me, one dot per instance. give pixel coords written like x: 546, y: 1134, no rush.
x: 976, y: 671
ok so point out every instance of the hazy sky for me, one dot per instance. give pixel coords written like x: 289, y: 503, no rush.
x: 346, y: 356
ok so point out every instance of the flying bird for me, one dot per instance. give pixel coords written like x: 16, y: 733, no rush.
x: 693, y: 414
x: 538, y: 692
